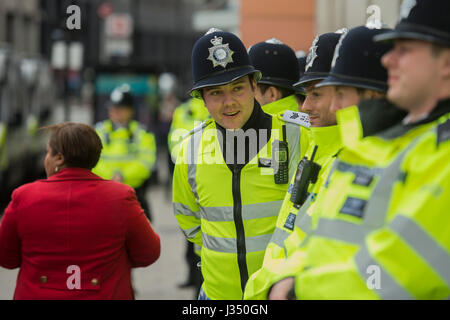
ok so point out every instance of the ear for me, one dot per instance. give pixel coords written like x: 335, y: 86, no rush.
x: 254, y: 83
x: 59, y: 159
x: 445, y: 65
x: 273, y: 94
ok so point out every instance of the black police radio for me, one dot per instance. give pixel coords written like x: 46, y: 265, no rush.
x: 280, y: 159
x: 307, y: 172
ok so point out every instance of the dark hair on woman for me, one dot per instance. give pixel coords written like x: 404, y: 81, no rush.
x: 78, y: 143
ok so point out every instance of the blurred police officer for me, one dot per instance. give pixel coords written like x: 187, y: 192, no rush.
x: 324, y: 145
x: 382, y: 231
x: 186, y: 116
x: 232, y: 172
x: 279, y: 68
x: 129, y: 151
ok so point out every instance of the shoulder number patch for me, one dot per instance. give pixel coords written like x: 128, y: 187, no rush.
x: 299, y: 118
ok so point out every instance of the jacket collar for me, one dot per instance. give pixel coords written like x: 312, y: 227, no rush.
x: 379, y: 117
x: 287, y: 103
x: 328, y: 139
x: 73, y: 174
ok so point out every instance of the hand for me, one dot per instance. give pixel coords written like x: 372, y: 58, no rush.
x: 281, y: 289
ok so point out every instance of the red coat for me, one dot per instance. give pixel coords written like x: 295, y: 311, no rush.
x: 72, y: 220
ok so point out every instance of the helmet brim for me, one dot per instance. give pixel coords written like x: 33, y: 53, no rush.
x: 309, y: 77
x: 339, y: 80
x: 414, y: 32
x: 225, y: 77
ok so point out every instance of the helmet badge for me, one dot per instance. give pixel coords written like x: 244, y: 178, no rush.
x: 220, y: 54
x: 312, y: 54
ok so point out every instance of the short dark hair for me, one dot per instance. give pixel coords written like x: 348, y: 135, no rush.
x: 284, y: 92
x: 77, y: 142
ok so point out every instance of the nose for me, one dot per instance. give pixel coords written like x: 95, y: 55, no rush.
x: 387, y: 59
x: 228, y: 99
x: 307, y: 105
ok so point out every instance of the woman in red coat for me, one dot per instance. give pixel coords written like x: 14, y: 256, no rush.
x: 75, y: 235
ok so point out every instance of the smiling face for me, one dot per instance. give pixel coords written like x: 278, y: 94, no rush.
x: 413, y: 74
x: 231, y: 105
x: 317, y: 105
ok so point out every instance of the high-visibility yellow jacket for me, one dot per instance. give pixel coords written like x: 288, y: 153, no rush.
x: 185, y: 118
x: 130, y: 152
x: 383, y: 229
x: 281, y: 105
x: 328, y: 142
x: 231, y: 214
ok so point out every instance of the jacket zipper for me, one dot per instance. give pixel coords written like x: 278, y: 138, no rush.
x: 239, y: 224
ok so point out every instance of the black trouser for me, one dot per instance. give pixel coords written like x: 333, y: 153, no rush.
x: 141, y: 196
x: 194, y: 274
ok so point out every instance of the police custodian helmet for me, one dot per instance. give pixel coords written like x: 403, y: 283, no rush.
x: 219, y: 58
x: 277, y: 63
x: 357, y: 61
x: 122, y: 97
x: 426, y: 20
x: 320, y: 55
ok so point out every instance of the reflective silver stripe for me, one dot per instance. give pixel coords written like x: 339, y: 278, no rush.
x: 191, y: 157
x: 261, y: 210
x: 249, y: 211
x: 303, y: 219
x: 217, y: 214
x: 419, y: 239
x: 389, y: 288
x: 358, y: 170
x: 192, y: 232
x: 293, y: 139
x: 341, y: 230
x: 228, y: 245
x: 375, y: 212
x: 257, y: 243
x: 183, y: 209
x: 279, y: 236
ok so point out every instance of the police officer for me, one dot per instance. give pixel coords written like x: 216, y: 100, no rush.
x: 324, y: 145
x: 382, y: 224
x: 279, y: 68
x: 129, y: 151
x: 232, y: 172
